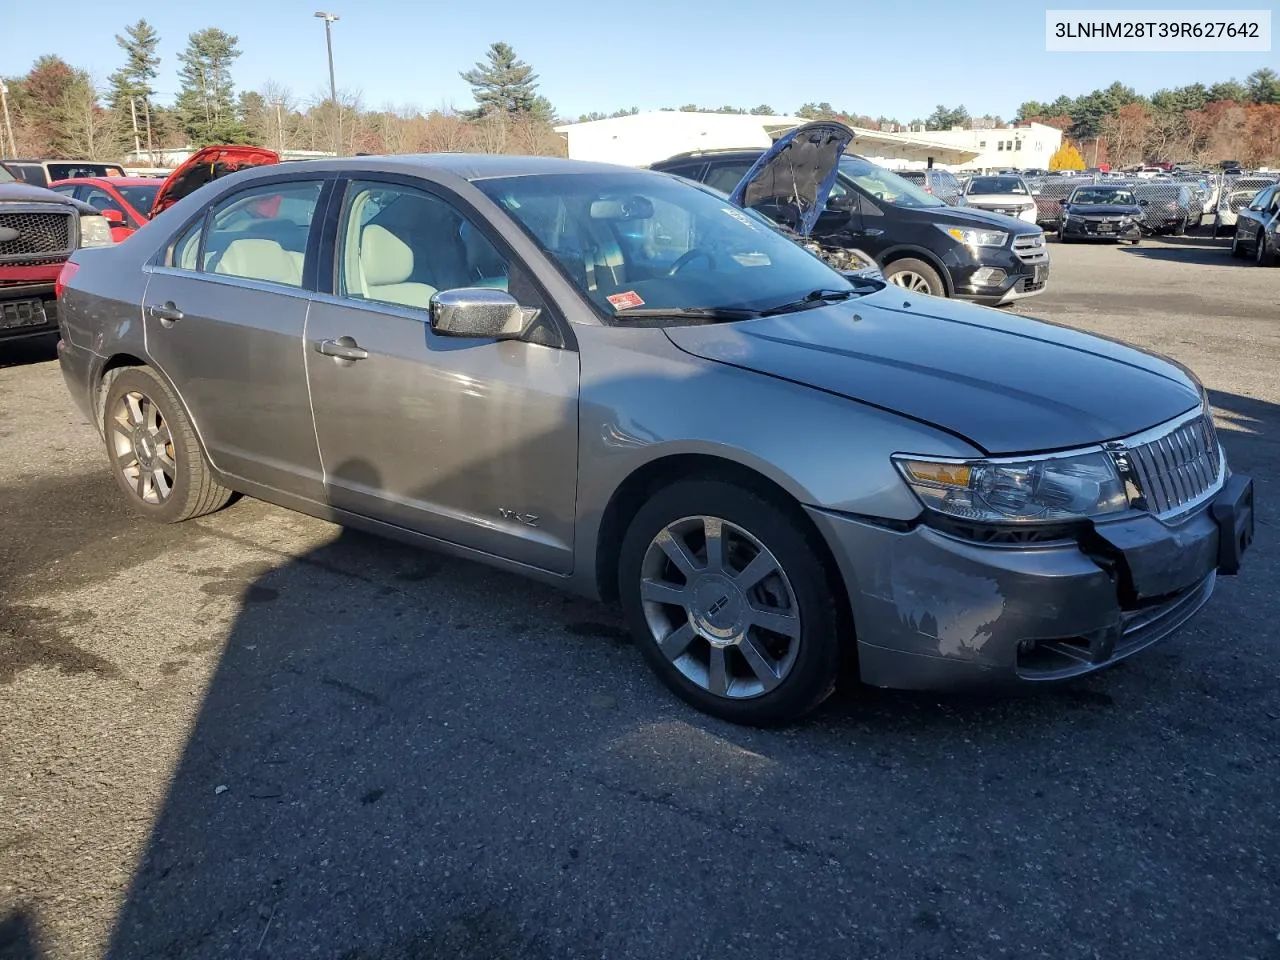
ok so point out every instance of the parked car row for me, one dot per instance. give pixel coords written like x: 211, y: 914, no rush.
x: 44, y: 219
x: 639, y: 388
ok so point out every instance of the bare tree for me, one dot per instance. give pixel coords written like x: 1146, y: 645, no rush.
x: 86, y: 129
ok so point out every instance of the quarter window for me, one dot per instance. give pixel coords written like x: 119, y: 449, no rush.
x: 258, y: 234
x: 401, y: 245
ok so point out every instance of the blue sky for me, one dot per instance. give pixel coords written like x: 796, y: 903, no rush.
x: 875, y: 58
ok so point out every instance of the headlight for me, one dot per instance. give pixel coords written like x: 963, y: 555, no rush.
x: 975, y: 238
x: 95, y: 231
x: 1041, y: 490
x: 1071, y: 219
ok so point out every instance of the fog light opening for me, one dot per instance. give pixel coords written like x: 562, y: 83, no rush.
x: 989, y: 276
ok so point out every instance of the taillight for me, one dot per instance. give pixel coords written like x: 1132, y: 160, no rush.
x: 64, y: 277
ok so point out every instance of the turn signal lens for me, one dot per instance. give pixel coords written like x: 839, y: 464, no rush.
x: 949, y: 474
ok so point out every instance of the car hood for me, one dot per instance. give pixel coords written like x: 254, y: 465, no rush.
x: 206, y: 164
x: 1006, y: 384
x: 1104, y: 210
x: 800, y: 167
x: 29, y: 193
x: 1001, y: 199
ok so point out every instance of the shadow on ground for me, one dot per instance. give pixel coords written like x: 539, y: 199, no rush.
x: 401, y: 755
x: 15, y: 353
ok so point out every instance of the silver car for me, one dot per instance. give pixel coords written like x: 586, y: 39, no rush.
x: 617, y: 381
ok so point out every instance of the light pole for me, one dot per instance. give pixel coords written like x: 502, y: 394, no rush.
x: 8, y: 126
x: 328, y: 19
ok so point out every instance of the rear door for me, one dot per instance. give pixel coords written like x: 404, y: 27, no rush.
x: 224, y: 317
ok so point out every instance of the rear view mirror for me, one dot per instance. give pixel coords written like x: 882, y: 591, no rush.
x: 480, y: 312
x: 622, y: 208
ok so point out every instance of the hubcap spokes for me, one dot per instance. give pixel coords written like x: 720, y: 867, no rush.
x: 910, y: 281
x: 142, y: 448
x: 720, y: 607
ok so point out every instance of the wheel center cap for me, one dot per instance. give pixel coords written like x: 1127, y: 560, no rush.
x: 718, y: 610
x: 145, y: 447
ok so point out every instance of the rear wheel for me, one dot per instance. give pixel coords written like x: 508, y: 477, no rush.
x: 154, y: 453
x: 731, y: 602
x: 915, y: 276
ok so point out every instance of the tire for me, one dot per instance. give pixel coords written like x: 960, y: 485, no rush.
x: 916, y: 272
x: 798, y: 585
x: 1062, y: 235
x: 1236, y: 250
x: 1180, y: 229
x: 153, y: 451
x: 1262, y: 255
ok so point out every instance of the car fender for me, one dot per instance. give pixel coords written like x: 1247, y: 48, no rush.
x: 821, y: 449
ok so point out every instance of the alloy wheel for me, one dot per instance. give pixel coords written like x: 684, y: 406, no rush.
x: 142, y: 447
x: 720, y: 607
x: 910, y: 280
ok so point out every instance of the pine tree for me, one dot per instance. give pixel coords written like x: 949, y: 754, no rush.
x: 503, y: 84
x: 131, y: 89
x: 206, y: 105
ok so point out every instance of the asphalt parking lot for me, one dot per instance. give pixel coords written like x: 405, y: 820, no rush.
x: 255, y: 734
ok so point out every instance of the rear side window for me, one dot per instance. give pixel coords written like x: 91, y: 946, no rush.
x: 78, y: 170
x: 258, y: 234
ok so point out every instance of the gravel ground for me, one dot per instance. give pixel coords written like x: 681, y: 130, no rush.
x: 258, y: 735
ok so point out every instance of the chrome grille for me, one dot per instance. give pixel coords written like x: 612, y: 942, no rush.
x: 1030, y: 248
x: 1174, y: 469
x: 40, y: 235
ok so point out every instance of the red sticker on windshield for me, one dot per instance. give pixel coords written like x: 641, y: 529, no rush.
x: 625, y: 301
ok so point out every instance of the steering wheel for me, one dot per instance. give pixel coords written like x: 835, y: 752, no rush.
x: 688, y: 257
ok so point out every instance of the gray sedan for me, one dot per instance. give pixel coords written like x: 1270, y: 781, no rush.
x: 616, y: 381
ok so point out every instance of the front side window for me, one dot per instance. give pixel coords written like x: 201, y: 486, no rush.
x: 883, y: 185
x: 260, y: 234
x: 400, y: 245
x: 725, y: 176
x: 140, y: 196
x: 99, y: 199
x: 634, y: 240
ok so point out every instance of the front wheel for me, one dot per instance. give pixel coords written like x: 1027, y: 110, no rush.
x: 1236, y: 250
x: 731, y: 602
x: 153, y: 450
x: 915, y: 276
x: 1262, y: 255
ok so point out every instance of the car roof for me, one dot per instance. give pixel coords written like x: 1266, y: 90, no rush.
x: 464, y: 166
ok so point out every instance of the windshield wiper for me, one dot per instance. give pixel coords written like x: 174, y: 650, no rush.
x: 814, y: 298
x: 706, y: 313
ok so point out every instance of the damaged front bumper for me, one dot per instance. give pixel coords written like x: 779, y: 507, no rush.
x: 933, y: 611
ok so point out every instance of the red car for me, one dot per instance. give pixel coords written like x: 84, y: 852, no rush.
x: 129, y: 202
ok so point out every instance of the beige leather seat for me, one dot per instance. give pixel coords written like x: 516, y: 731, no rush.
x: 259, y: 259
x: 386, y: 263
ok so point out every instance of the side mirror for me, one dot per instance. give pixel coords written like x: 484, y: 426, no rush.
x: 114, y: 217
x: 480, y: 312
x: 1144, y: 203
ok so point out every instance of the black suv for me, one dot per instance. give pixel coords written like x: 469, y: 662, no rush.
x: 919, y: 242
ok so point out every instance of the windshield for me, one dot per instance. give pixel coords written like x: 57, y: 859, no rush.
x: 885, y: 186
x: 5, y: 175
x: 140, y: 197
x: 997, y: 185
x: 643, y: 240
x: 1103, y: 195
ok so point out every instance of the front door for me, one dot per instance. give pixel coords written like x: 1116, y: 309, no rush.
x: 224, y: 318
x: 470, y: 441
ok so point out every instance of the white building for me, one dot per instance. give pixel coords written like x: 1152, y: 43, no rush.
x: 640, y: 139
x: 1024, y: 146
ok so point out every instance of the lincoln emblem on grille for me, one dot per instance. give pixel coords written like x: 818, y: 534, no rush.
x: 8, y: 233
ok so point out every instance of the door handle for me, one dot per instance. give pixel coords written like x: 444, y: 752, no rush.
x: 343, y: 348
x: 167, y: 313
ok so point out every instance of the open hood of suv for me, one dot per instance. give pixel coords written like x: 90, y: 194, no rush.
x: 798, y: 171
x: 206, y: 164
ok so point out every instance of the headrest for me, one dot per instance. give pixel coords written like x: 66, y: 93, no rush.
x: 259, y: 260
x: 384, y: 257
